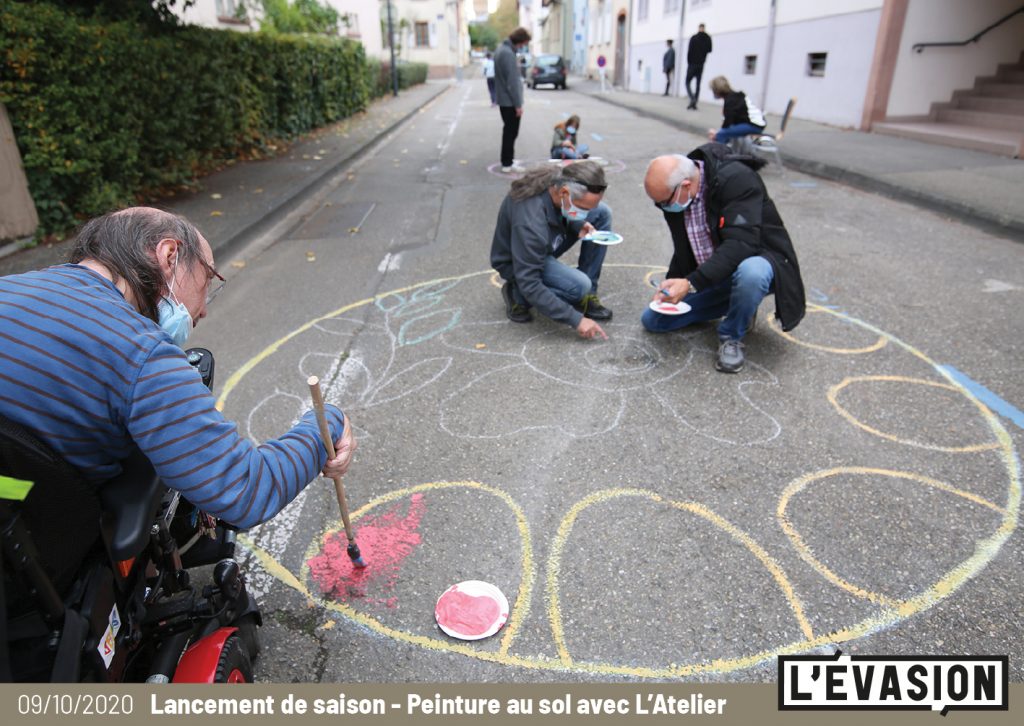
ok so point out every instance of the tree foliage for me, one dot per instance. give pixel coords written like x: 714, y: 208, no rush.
x: 107, y: 113
x: 300, y: 16
x: 483, y: 35
x: 152, y: 12
x: 505, y: 19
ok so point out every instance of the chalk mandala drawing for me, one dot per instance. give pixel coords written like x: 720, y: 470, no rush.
x: 435, y: 349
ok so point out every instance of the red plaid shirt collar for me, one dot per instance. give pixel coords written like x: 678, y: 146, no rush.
x: 696, y: 219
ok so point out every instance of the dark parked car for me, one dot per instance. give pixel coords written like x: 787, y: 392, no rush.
x: 548, y: 69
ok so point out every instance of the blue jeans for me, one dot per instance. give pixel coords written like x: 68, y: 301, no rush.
x: 564, y: 152
x: 735, y: 298
x: 724, y: 135
x: 572, y: 284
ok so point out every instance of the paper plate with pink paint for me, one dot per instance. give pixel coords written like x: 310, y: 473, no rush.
x: 669, y: 308
x: 471, y: 610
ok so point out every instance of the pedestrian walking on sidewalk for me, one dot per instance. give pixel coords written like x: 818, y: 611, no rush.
x: 508, y: 90
x: 731, y: 248
x: 668, y: 65
x: 489, y: 76
x: 696, y: 54
x: 544, y: 215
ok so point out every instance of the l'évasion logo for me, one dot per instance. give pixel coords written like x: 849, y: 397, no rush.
x: 869, y: 682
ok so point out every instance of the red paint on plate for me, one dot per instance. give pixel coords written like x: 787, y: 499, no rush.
x: 385, y: 540
x: 467, y: 614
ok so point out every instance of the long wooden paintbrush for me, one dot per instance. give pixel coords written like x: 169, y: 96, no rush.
x: 339, y: 487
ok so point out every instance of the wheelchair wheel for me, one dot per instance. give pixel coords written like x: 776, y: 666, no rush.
x: 234, y: 665
x: 249, y: 633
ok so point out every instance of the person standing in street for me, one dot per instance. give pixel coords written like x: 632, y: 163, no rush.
x: 508, y: 90
x: 668, y: 65
x: 489, y: 76
x: 696, y: 54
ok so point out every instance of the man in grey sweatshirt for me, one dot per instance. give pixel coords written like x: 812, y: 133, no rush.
x: 545, y: 214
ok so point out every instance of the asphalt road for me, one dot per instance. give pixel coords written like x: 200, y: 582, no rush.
x: 646, y: 516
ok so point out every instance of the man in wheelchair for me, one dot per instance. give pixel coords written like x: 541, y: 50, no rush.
x: 110, y: 420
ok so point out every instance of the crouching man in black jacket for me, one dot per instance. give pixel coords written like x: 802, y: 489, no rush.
x: 731, y: 248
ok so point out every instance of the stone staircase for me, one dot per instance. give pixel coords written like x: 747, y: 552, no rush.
x: 988, y: 117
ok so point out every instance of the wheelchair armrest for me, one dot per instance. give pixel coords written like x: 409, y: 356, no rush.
x: 130, y: 502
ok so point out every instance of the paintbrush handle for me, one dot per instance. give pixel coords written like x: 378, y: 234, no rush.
x: 321, y: 417
x: 325, y: 436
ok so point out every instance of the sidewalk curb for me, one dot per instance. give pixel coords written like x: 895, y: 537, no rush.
x: 1013, y: 229
x: 253, y: 230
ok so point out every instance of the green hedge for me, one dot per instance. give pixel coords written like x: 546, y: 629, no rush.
x: 379, y: 76
x: 106, y: 113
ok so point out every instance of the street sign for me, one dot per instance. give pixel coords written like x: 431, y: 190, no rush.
x: 601, y: 61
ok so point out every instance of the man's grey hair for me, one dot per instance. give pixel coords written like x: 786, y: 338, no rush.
x: 125, y: 243
x: 683, y: 170
x: 579, y: 178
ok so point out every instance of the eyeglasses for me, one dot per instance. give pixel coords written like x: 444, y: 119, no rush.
x: 668, y: 202
x: 214, y: 288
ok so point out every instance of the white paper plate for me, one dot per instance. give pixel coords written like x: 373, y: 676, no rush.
x: 605, y: 238
x: 668, y: 308
x: 471, y: 610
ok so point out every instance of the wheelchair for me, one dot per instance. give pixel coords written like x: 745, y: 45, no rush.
x: 100, y: 583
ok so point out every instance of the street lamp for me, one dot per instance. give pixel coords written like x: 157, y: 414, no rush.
x: 391, y: 46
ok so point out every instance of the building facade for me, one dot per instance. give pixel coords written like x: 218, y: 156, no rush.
x: 850, y: 63
x: 608, y: 36
x: 360, y: 18
x: 435, y: 32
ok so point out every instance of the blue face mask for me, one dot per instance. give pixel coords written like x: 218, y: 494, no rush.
x: 676, y: 207
x: 571, y: 129
x: 174, y: 317
x: 574, y: 213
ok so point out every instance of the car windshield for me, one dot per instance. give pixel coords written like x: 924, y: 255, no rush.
x: 548, y: 60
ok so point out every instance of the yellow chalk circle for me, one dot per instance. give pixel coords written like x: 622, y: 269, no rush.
x: 957, y: 575
x: 565, y: 528
x: 833, y: 398
x: 877, y: 345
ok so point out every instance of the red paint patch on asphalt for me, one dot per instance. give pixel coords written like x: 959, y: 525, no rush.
x: 385, y: 540
x: 467, y: 614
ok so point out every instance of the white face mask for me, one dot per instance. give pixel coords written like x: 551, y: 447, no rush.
x: 676, y: 207
x: 574, y: 213
x: 175, y: 319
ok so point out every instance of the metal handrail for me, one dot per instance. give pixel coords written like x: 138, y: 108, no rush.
x: 918, y: 47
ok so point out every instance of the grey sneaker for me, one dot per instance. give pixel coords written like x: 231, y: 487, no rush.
x: 730, y: 356
x: 514, y: 169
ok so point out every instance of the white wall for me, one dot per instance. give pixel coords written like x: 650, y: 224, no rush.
x: 794, y: 11
x: 933, y: 75
x: 449, y: 42
x: 729, y: 16
x: 366, y: 26
x: 726, y: 59
x: 838, y: 97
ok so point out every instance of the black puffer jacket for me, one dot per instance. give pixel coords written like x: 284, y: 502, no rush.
x: 744, y: 223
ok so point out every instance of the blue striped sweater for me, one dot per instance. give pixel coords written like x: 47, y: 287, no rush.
x: 85, y: 372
